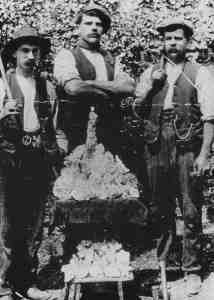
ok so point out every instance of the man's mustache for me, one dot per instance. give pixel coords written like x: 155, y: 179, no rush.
x: 173, y: 50
x: 30, y: 63
x: 93, y: 35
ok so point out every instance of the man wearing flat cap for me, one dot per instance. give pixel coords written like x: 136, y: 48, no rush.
x: 87, y: 75
x: 28, y: 151
x: 176, y: 100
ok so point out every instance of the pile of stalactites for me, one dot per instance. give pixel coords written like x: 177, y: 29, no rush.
x: 98, y: 260
x: 91, y: 172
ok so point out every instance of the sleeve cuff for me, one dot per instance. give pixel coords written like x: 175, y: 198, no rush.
x: 208, y: 119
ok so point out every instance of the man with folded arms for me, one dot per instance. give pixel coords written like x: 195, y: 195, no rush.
x: 88, y: 75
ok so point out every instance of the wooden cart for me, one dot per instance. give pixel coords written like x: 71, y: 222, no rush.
x: 74, y: 287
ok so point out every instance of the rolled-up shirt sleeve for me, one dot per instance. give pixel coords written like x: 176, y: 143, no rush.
x: 65, y: 67
x: 205, y: 89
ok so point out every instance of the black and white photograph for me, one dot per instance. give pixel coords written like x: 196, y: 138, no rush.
x: 106, y: 149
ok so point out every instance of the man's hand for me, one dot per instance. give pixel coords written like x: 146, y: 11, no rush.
x: 158, y: 76
x: 201, y: 165
x: 125, y: 87
x: 10, y: 108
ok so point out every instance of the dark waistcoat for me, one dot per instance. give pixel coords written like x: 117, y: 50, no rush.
x: 14, y: 126
x: 85, y: 67
x: 75, y: 111
x: 186, y: 111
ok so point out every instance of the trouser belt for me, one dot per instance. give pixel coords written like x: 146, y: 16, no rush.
x: 32, y: 140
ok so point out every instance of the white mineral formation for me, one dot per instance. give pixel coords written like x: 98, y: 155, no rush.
x: 98, y: 260
x: 90, y: 172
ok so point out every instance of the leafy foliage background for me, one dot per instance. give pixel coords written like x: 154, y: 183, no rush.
x: 133, y: 35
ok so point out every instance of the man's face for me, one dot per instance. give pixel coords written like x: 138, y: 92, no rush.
x: 91, y: 29
x: 27, y: 56
x: 175, y: 44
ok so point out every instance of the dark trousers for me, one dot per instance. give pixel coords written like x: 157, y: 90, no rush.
x: 168, y: 177
x: 24, y: 186
x: 5, y: 252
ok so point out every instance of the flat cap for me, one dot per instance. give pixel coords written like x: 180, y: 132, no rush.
x: 176, y: 23
x: 101, y: 12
